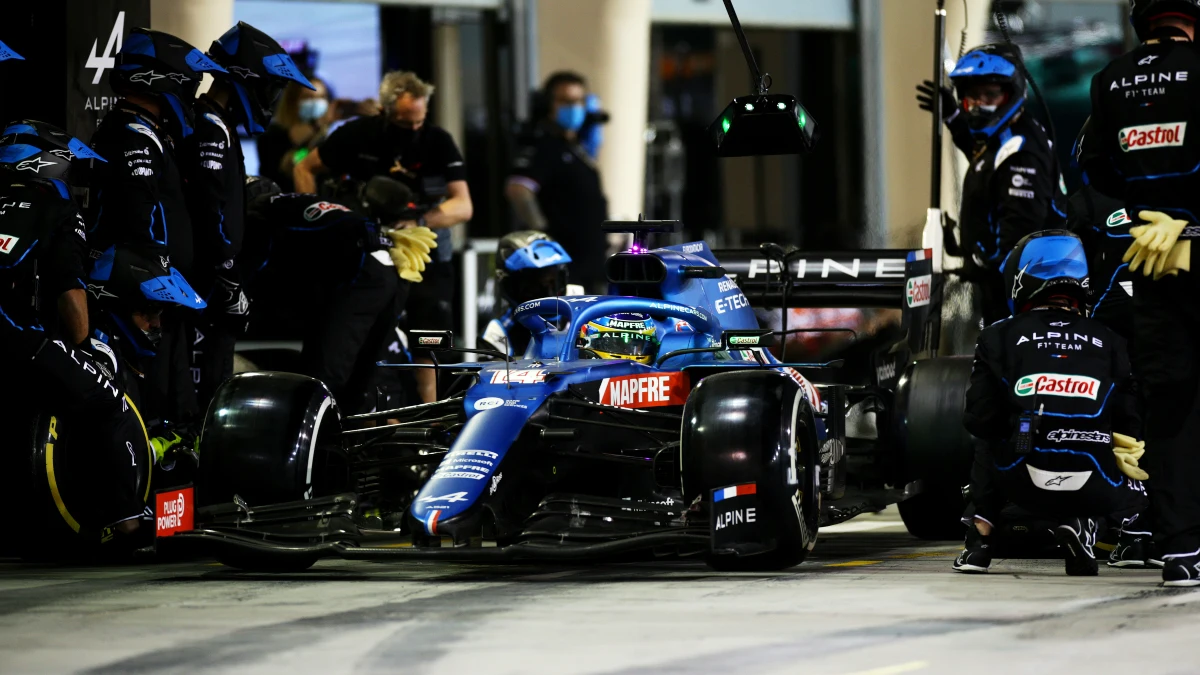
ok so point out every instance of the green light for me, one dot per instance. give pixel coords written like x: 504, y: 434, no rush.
x: 725, y: 125
x: 803, y: 119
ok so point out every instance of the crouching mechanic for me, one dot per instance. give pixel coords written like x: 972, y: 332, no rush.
x: 1013, y: 184
x: 1050, y: 397
x: 131, y: 286
x: 44, y: 319
x: 530, y: 265
x: 332, y: 269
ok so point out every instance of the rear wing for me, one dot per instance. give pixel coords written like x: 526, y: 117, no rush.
x: 879, y: 278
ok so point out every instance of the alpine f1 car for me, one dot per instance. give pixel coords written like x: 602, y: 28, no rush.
x: 715, y: 449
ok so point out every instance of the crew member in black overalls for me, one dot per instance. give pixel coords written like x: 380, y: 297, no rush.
x: 138, y: 197
x: 257, y: 70
x: 1012, y: 186
x: 1136, y: 146
x: 1053, y: 404
x: 50, y: 362
x: 400, y: 144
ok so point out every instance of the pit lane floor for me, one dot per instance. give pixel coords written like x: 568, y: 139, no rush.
x: 871, y: 601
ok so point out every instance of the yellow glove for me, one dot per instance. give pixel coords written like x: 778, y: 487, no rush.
x: 1177, y: 259
x: 1128, y: 451
x: 419, y: 238
x: 1152, y: 240
x: 411, y: 275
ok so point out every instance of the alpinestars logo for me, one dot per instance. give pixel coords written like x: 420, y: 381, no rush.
x: 1075, y: 435
x: 1148, y: 60
x: 1057, y: 480
x: 109, y: 59
x: 242, y: 72
x: 147, y: 77
x: 35, y: 165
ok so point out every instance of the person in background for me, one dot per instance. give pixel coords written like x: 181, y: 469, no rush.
x: 296, y: 123
x: 555, y: 185
x: 400, y: 144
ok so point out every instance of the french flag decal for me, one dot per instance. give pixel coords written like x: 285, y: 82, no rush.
x: 735, y: 491
x: 920, y: 254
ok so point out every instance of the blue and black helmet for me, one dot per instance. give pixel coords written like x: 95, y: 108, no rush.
x: 258, y: 68
x: 992, y: 63
x: 138, y: 278
x: 1046, y: 264
x: 530, y: 265
x: 1143, y: 12
x: 7, y: 53
x: 43, y: 152
x: 153, y: 63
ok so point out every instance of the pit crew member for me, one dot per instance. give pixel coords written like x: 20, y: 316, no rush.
x: 139, y: 195
x: 1135, y: 146
x: 399, y: 143
x: 529, y: 265
x: 326, y: 272
x: 1013, y: 180
x: 256, y: 71
x: 43, y: 313
x: 1050, y: 396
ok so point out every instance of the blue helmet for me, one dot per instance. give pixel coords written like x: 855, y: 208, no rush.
x: 7, y: 53
x: 1045, y: 264
x: 994, y: 63
x: 153, y: 63
x: 530, y: 265
x: 43, y: 152
x: 258, y: 69
x: 138, y: 278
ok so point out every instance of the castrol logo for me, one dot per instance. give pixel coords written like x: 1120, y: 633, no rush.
x: 917, y: 290
x: 1057, y: 384
x: 1149, y: 136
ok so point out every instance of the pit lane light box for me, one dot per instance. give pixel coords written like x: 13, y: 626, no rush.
x: 761, y: 123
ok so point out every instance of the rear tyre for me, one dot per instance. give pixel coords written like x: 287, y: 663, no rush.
x: 268, y: 438
x: 934, y: 446
x: 753, y: 427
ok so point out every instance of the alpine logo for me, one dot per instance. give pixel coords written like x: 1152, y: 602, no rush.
x: 1057, y: 384
x: 7, y: 242
x: 645, y: 391
x: 1074, y: 435
x: 1150, y: 136
x: 917, y: 290
x: 319, y: 209
x: 109, y: 59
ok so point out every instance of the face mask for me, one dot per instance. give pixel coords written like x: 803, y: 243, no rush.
x: 154, y: 335
x: 984, y: 110
x: 312, y: 109
x: 570, y: 117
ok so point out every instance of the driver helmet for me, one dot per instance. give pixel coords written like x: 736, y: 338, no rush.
x: 43, y: 153
x: 157, y: 64
x: 530, y: 265
x: 1143, y: 12
x: 630, y: 336
x: 258, y: 69
x: 1044, y: 265
x: 992, y: 63
x: 129, y: 280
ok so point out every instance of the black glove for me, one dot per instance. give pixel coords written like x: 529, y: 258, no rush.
x: 925, y: 93
x: 228, y: 305
x: 100, y: 356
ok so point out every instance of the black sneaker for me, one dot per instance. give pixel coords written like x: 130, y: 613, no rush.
x: 976, y: 557
x: 1131, y: 551
x: 1181, y: 569
x: 1077, y: 537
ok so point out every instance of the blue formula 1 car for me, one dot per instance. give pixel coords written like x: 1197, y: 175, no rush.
x: 710, y: 448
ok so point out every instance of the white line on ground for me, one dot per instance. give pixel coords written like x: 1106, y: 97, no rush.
x: 860, y: 526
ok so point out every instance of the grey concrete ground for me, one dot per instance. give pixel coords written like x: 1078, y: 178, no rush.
x: 871, y: 601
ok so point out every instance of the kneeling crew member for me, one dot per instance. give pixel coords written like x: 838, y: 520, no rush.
x: 1050, y: 396
x: 43, y: 315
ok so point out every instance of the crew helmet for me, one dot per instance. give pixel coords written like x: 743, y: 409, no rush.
x: 995, y: 63
x: 1044, y: 264
x: 258, y: 68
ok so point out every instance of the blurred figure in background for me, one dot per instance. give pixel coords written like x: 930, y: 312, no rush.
x: 296, y: 123
x: 555, y: 185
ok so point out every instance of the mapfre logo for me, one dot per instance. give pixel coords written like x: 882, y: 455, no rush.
x: 917, y: 290
x: 173, y: 512
x: 1057, y: 384
x: 319, y: 209
x: 645, y: 391
x: 1150, y: 136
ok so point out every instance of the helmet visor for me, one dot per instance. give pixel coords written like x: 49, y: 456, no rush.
x: 624, y: 343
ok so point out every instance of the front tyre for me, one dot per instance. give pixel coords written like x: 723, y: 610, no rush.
x: 749, y: 451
